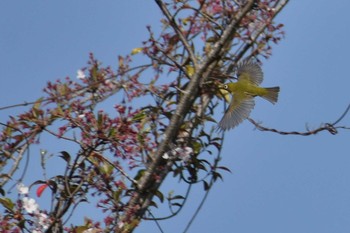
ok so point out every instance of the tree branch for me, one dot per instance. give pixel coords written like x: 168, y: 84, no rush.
x: 159, y: 168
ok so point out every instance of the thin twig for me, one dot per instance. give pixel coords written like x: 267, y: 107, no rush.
x: 179, y: 33
x: 331, y: 128
x: 118, y: 168
x: 342, y: 116
x: 278, y: 7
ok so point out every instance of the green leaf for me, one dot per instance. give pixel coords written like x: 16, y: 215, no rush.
x: 65, y: 155
x: 139, y: 174
x: 208, y: 118
x: 112, y: 132
x: 176, y: 204
x: 217, y: 145
x: 159, y: 195
x: 179, y: 197
x: 224, y: 168
x: 153, y: 204
x: 206, y: 185
x: 7, y: 203
x: 6, y: 176
x: 2, y: 191
x: 196, y: 147
x: 116, y: 195
x: 201, y: 166
x: 99, y: 120
x: 217, y: 175
x: 106, y: 168
x: 21, y: 224
x: 37, y: 103
x: 136, y: 51
x: 81, y: 229
x: 53, y: 185
x: 139, y: 116
x: 189, y: 70
x: 8, y: 130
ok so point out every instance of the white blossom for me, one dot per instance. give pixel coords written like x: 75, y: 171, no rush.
x: 165, y: 156
x: 120, y: 224
x: 183, y: 152
x: 30, y: 205
x: 22, y: 189
x: 188, y: 150
x: 92, y: 230
x: 43, y: 221
x: 81, y: 75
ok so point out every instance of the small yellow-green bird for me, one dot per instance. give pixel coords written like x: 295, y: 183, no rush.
x: 249, y: 77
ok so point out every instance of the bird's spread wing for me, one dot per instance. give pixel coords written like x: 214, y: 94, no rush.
x: 239, y: 110
x: 250, y: 71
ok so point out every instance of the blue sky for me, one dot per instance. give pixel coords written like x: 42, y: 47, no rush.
x: 278, y: 183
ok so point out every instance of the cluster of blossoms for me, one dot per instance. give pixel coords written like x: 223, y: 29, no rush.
x: 41, y: 221
x: 184, y: 153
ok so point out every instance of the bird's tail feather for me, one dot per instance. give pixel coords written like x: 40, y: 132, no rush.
x: 272, y: 94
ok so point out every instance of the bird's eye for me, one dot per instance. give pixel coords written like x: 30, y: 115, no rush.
x: 225, y: 86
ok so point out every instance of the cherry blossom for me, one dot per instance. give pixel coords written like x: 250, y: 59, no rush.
x: 30, y: 205
x: 22, y: 189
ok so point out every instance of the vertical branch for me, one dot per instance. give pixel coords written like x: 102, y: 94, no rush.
x: 158, y: 169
